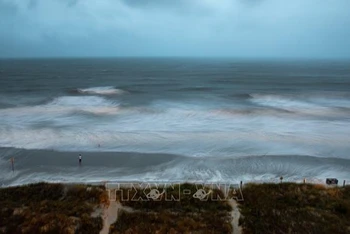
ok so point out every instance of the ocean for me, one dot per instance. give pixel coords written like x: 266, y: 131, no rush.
x: 174, y: 119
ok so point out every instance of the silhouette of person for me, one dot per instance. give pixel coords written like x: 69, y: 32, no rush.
x: 79, y: 159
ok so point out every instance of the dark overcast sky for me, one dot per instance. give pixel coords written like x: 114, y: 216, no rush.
x: 234, y: 28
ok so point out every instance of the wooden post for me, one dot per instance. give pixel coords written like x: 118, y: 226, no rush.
x: 344, y: 183
x: 281, y: 178
x: 304, y: 180
x: 13, y: 164
x: 241, y: 185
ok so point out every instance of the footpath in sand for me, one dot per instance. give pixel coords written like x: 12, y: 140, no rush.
x: 110, y: 215
x: 235, y: 214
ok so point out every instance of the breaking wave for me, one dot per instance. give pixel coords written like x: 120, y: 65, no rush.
x: 215, y: 115
x: 81, y: 101
x: 190, y: 128
x: 58, y: 112
x: 105, y: 90
x: 123, y: 166
x: 309, y: 105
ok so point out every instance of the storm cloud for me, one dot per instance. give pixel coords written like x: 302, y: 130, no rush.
x: 235, y: 28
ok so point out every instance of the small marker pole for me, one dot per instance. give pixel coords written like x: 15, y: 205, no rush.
x: 241, y: 184
x: 13, y: 164
x: 344, y: 183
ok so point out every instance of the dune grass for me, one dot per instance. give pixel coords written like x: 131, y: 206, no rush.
x: 295, y: 208
x: 267, y: 208
x: 187, y: 203
x: 170, y: 222
x: 50, y: 208
x: 186, y: 215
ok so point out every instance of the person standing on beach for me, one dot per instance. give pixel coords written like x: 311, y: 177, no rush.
x: 79, y: 159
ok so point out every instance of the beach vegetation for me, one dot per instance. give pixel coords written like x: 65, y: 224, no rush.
x: 295, y: 208
x: 50, y: 208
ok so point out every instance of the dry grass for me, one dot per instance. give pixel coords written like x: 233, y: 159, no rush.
x: 50, y: 208
x: 189, y: 215
x: 168, y: 222
x: 187, y: 202
x: 295, y: 208
x: 267, y: 208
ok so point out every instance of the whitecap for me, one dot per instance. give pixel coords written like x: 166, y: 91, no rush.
x: 104, y: 90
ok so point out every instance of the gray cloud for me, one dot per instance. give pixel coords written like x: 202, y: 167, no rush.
x: 237, y: 28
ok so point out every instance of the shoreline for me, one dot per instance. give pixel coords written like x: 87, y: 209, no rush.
x: 33, y: 166
x: 162, y: 183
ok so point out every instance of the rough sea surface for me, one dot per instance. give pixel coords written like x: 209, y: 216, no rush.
x: 174, y: 119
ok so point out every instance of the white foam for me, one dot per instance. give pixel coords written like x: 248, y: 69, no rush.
x: 207, y: 170
x: 59, y: 111
x: 283, y: 102
x: 80, y: 101
x: 97, y: 105
x: 105, y: 90
x: 304, y: 105
x: 332, y: 102
x: 192, y: 129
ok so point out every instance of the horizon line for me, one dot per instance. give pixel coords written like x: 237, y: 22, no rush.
x: 179, y: 57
